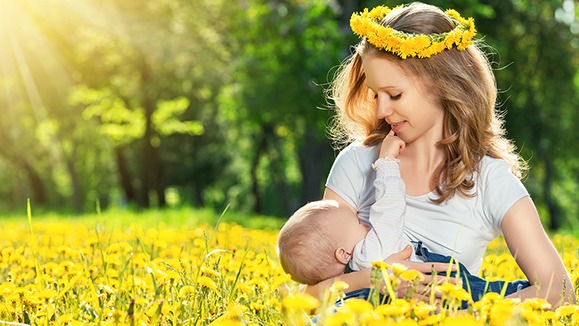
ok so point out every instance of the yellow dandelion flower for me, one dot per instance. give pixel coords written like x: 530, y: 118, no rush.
x: 536, y: 304
x: 140, y: 301
x: 380, y: 264
x: 245, y: 289
x: 551, y: 318
x: 186, y: 290
x: 405, y: 322
x: 257, y: 305
x: 300, y: 301
x: 565, y: 311
x: 460, y: 320
x: 235, y: 309
x: 209, y: 271
x: 459, y: 293
x: 207, y: 282
x: 111, y: 272
x: 172, y: 275
x: 405, y: 49
x: 339, y: 286
x: 446, y: 288
x: 434, y: 319
x: 47, y: 294
x: 398, y: 307
x: 422, y: 309
x: 167, y: 308
x: 532, y: 317
x: 358, y: 306
x: 575, y: 279
x: 500, y: 313
x: 422, y: 42
x: 340, y: 318
x: 398, y: 268
x: 7, y: 288
x: 412, y: 275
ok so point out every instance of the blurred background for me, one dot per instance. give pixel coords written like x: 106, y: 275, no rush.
x: 208, y: 103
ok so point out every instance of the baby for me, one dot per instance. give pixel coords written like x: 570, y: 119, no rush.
x: 323, y: 239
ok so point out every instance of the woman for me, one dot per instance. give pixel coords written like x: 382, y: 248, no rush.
x: 418, y: 72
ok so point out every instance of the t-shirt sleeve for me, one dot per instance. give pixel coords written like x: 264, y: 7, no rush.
x: 501, y: 190
x: 346, y: 178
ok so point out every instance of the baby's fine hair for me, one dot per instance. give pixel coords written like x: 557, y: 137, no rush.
x: 463, y: 82
x: 304, y: 246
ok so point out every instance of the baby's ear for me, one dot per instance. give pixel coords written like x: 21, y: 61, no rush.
x: 342, y: 255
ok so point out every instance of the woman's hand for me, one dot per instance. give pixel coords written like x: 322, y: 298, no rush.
x: 402, y: 257
x: 422, y: 290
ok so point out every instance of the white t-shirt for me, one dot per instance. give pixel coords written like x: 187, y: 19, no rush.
x: 460, y: 227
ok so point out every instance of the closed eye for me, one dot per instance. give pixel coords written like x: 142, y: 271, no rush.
x: 395, y: 97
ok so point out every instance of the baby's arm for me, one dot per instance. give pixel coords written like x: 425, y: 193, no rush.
x: 387, y: 213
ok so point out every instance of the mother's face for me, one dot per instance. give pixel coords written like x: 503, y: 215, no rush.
x: 402, y: 100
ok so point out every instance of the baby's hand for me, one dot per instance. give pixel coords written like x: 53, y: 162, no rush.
x: 391, y: 146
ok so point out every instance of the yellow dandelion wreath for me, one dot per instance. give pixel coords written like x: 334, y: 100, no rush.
x: 366, y: 24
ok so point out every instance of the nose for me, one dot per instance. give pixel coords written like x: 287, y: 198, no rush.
x: 383, y: 108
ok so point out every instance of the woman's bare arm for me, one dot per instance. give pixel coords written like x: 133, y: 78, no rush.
x: 536, y: 255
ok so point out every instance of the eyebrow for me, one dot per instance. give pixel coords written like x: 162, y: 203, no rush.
x: 384, y: 88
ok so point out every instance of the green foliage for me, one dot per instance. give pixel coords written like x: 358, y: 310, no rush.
x: 221, y: 103
x: 117, y: 122
x: 166, y: 122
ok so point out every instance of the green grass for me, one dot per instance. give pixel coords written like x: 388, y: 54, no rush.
x: 173, y: 217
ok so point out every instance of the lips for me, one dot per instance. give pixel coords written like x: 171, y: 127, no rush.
x: 396, y: 126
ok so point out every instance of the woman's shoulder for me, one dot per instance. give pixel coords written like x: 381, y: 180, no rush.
x: 359, y: 153
x: 358, y: 149
x: 496, y: 173
x: 492, y: 165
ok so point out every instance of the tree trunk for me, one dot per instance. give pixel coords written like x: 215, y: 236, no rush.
x: 39, y: 192
x: 147, y: 164
x: 77, y: 194
x: 552, y: 206
x: 277, y: 169
x: 315, y: 158
x: 125, y: 177
x: 152, y: 174
x: 39, y: 195
x: 259, y: 150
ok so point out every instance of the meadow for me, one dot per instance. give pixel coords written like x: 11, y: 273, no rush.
x: 196, y: 267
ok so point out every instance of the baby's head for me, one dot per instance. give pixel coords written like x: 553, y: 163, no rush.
x: 317, y: 241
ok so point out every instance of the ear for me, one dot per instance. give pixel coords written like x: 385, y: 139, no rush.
x: 342, y: 255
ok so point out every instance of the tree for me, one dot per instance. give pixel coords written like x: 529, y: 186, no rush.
x: 284, y: 51
x: 128, y: 84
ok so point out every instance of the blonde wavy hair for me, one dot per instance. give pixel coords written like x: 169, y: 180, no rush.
x: 464, y: 83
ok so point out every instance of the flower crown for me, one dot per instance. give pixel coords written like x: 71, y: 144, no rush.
x: 367, y: 25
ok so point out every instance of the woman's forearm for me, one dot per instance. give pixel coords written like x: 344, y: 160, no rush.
x: 557, y: 293
x: 356, y: 280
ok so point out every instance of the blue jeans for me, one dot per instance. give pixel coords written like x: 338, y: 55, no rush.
x: 475, y: 285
